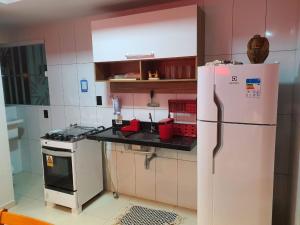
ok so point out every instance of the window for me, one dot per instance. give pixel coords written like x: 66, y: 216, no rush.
x: 23, y: 75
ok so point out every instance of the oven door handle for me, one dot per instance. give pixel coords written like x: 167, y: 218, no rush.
x: 56, y: 153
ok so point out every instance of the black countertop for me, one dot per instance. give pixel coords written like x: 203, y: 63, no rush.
x: 143, y: 137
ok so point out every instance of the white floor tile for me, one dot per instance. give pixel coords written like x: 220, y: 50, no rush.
x: 102, y: 211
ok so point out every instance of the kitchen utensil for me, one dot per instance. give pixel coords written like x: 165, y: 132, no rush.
x: 152, y: 103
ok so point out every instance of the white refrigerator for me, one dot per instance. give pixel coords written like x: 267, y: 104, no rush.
x: 236, y: 122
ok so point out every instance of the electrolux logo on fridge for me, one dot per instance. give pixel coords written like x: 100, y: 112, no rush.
x: 234, y: 80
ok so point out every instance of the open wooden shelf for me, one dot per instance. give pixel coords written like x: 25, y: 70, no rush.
x: 177, y: 75
x: 162, y: 86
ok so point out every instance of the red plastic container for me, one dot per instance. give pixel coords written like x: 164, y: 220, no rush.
x: 165, y: 128
x: 134, y: 126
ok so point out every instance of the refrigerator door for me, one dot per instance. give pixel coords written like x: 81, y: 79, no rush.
x: 247, y: 93
x: 243, y: 175
x: 206, y: 143
x: 206, y: 107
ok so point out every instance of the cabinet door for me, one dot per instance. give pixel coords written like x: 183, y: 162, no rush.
x: 166, y: 180
x: 187, y: 184
x: 243, y: 178
x: 126, y: 173
x: 145, y: 178
x: 165, y: 33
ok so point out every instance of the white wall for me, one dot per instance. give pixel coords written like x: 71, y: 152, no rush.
x: 229, y: 26
x: 6, y: 183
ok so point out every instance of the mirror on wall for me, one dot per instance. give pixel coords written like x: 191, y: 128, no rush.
x: 23, y: 70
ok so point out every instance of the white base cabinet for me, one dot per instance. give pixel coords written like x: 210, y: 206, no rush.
x: 171, y: 177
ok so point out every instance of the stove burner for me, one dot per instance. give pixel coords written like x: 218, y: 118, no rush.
x: 72, y: 133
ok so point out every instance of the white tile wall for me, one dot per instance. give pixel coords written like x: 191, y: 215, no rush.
x: 127, y: 113
x: 104, y: 116
x: 87, y: 72
x: 45, y: 123
x: 88, y: 116
x: 160, y: 114
x: 70, y: 84
x: 32, y: 115
x: 25, y: 155
x: 11, y: 113
x: 218, y: 26
x: 58, y: 120
x: 36, y: 156
x: 55, y: 79
x: 102, y: 89
x: 243, y: 17
x: 141, y: 100
x: 52, y: 45
x: 67, y: 43
x: 83, y: 40
x: 282, y: 24
x: 72, y: 115
x: 143, y: 114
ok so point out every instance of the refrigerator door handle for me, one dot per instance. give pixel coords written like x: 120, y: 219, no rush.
x: 219, y: 128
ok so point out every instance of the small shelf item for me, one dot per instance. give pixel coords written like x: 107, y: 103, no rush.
x: 153, y: 76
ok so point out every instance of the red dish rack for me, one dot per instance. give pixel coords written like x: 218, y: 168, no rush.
x: 184, y: 106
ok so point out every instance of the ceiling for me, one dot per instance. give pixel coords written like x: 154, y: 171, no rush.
x: 28, y: 12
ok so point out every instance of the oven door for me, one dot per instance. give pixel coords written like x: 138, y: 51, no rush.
x: 58, y: 169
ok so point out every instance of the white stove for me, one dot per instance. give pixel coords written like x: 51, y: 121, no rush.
x: 73, y: 172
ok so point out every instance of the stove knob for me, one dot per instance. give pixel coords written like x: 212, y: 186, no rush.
x: 67, y: 138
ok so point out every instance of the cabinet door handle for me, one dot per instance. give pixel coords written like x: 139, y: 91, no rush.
x: 139, y: 56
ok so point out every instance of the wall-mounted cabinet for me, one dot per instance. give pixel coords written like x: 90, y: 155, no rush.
x: 158, y: 34
x: 167, y: 44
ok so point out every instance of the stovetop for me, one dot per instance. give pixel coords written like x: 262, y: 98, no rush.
x: 72, y: 133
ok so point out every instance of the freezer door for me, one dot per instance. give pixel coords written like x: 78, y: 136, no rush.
x: 248, y: 93
x: 206, y: 107
x: 243, y: 175
x: 206, y: 143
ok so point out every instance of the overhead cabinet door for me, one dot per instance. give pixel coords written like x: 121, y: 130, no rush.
x: 158, y: 34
